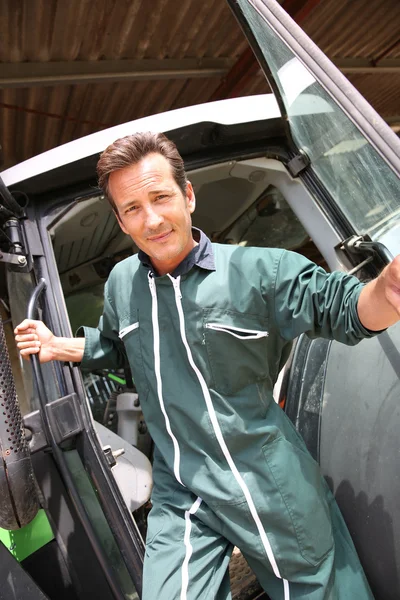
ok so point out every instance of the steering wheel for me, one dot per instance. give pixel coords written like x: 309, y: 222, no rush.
x: 18, y: 499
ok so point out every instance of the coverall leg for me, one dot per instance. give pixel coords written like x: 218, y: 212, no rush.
x: 189, y: 545
x: 185, y: 557
x: 338, y: 576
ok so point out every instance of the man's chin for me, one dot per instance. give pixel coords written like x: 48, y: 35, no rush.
x: 167, y: 253
x: 166, y: 257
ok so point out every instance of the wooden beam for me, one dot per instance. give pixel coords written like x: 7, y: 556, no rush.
x: 394, y: 122
x: 27, y: 74
x: 361, y: 65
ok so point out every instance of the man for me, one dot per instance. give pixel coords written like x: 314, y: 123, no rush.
x: 206, y: 329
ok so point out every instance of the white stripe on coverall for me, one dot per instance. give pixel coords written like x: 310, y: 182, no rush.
x: 221, y: 441
x: 189, y: 547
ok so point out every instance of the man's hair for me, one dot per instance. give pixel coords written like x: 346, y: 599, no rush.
x: 130, y: 150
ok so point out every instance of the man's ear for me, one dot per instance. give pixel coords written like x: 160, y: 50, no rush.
x: 190, y: 197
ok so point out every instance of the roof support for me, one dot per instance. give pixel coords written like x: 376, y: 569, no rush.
x: 394, y: 123
x: 14, y: 75
x: 361, y: 65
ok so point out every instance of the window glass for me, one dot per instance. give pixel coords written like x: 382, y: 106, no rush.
x: 99, y: 522
x: 362, y: 184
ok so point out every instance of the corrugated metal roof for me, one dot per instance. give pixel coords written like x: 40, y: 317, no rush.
x: 55, y: 30
x: 35, y: 119
x: 59, y: 113
x: 381, y: 91
x: 83, y: 30
x: 362, y: 29
x: 356, y: 28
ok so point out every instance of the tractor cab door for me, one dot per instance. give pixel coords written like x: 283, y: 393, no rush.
x: 70, y: 535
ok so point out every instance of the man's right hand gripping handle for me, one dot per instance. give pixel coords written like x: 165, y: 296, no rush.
x: 33, y: 337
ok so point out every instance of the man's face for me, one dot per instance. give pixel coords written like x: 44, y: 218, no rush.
x: 153, y: 210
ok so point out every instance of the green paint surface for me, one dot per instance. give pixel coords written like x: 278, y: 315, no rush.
x: 25, y: 541
x: 116, y: 378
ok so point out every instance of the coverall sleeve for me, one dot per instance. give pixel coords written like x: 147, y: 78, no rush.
x: 103, y: 348
x: 309, y: 300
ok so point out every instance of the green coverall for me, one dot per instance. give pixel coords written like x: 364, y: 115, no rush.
x: 205, y: 350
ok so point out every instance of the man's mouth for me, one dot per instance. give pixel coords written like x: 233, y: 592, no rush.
x: 160, y: 236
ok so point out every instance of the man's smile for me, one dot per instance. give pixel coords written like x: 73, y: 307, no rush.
x: 160, y: 237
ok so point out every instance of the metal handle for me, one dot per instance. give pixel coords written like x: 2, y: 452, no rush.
x: 37, y: 372
x: 33, y: 300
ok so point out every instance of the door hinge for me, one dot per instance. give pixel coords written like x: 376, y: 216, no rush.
x: 17, y: 260
x: 17, y: 257
x: 298, y: 164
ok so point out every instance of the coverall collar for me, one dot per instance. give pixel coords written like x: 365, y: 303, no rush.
x: 200, y: 256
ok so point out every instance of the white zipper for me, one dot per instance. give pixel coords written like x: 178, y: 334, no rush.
x: 157, y: 369
x: 247, y: 334
x: 218, y: 434
x: 127, y: 329
x: 177, y: 289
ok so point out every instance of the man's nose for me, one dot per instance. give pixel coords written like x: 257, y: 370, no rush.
x: 153, y: 219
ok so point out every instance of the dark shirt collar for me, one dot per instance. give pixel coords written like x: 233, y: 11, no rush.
x: 200, y: 256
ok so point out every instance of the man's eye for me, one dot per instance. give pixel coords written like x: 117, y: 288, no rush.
x: 161, y: 196
x: 131, y: 208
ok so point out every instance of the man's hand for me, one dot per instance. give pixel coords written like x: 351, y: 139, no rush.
x: 379, y: 302
x: 392, y: 284
x: 33, y: 337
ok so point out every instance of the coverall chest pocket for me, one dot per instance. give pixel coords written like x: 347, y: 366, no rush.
x: 130, y: 336
x: 237, y: 347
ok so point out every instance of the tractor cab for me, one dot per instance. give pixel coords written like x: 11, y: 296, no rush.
x: 310, y: 168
